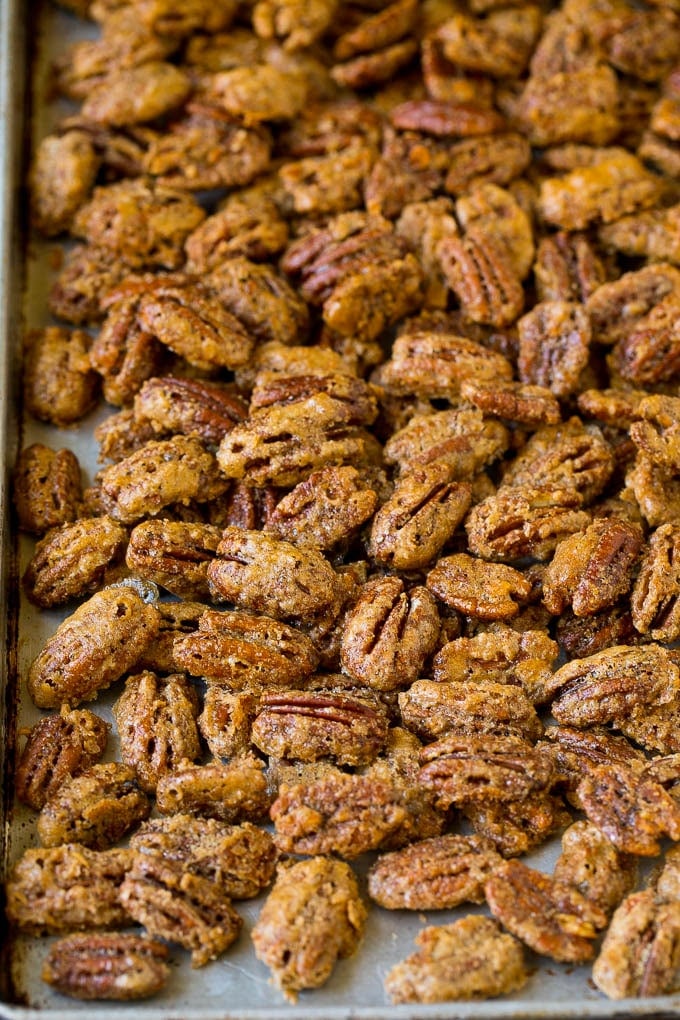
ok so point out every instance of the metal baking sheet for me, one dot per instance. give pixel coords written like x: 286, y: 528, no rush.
x: 237, y: 985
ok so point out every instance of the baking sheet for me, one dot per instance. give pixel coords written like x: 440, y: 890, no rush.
x: 237, y: 985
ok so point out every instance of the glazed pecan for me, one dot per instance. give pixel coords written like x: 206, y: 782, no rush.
x: 328, y: 507
x: 639, y: 952
x: 174, y: 554
x: 656, y: 430
x: 496, y: 212
x: 133, y: 95
x: 247, y: 223
x: 95, y: 808
x: 552, y: 918
x: 107, y: 966
x: 567, y: 268
x: 652, y: 234
x: 231, y: 793
x: 258, y: 92
x: 471, y: 958
x: 46, y: 488
x: 297, y: 24
x: 313, y: 916
x: 577, y: 752
x: 73, y: 560
x: 620, y: 308
x: 57, y: 747
x: 389, y: 633
x: 514, y: 401
x: 94, y: 646
x: 226, y: 719
x: 593, y: 865
x: 581, y: 636
x: 486, y: 591
x: 656, y: 492
x: 67, y: 888
x: 86, y: 276
x: 481, y: 274
x: 654, y: 603
x: 489, y: 159
x: 554, y: 344
x: 518, y: 826
x: 59, y: 384
x: 176, y: 619
x: 189, y: 406
x: 650, y: 353
x: 432, y: 710
x: 262, y: 300
x: 461, y: 437
x: 63, y: 174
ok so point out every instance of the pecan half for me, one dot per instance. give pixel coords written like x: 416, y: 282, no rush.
x: 432, y: 710
x: 233, y: 792
x: 639, y: 952
x: 461, y: 437
x: 483, y: 590
x: 518, y: 826
x: 59, y: 384
x: 226, y: 720
x: 482, y: 276
x: 189, y: 406
x: 107, y: 966
x: 591, y: 863
x: 174, y: 554
x: 554, y: 344
x: 654, y: 599
x: 46, y: 488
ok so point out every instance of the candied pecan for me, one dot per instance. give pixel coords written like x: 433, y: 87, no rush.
x: 654, y: 602
x: 258, y: 92
x: 231, y: 793
x: 62, y: 177
x: 592, y: 569
x: 577, y: 752
x: 327, y: 184
x: 488, y: 159
x: 87, y: 274
x: 46, y: 488
x: 67, y: 888
x: 313, y: 916
x: 612, y: 406
x: 189, y: 406
x: 477, y: 588
x: 59, y: 384
x: 261, y: 299
x: 619, y: 308
x: 73, y: 560
x: 612, y: 682
x: 226, y: 720
x: 423, y: 225
x: 656, y: 491
x: 168, y: 471
x: 133, y: 95
x: 298, y: 24
x: 156, y: 721
x: 471, y: 958
x: 95, y: 808
x: 519, y: 826
x: 496, y: 212
x: 656, y: 430
x: 639, y: 953
x: 238, y: 859
x: 410, y: 169
x: 242, y: 650
x: 642, y: 43
x: 666, y: 883
x: 585, y: 635
x: 327, y: 508
x: 124, y: 354
x: 460, y: 437
x: 650, y: 352
x: 143, y: 224
x: 553, y: 918
x: 388, y: 634
x: 107, y: 966
x: 567, y: 268
x: 482, y: 276
x: 369, y: 69
x: 437, y: 117
x: 525, y: 521
x: 93, y: 646
x: 174, y: 554
x: 632, y: 809
x: 434, y: 874
x: 590, y: 863
x: 176, y: 619
x: 179, y: 905
x: 554, y: 344
x: 432, y: 710
x: 57, y: 747
x: 654, y: 727
x: 499, y: 45
x: 653, y: 234
x: 576, y: 105
x: 514, y: 401
x: 436, y: 364
x: 246, y: 224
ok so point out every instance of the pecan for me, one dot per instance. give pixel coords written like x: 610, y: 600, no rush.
x: 632, y: 809
x: 483, y: 590
x: 567, y: 268
x: 189, y: 406
x: 641, y: 43
x: 389, y: 633
x: 226, y: 721
x: 63, y: 173
x: 73, y: 560
x: 59, y: 384
x: 654, y: 601
x: 650, y: 353
x: 262, y: 300
x: 107, y: 966
x: 95, y: 808
x: 471, y: 958
x: 46, y: 488
x: 584, y: 635
x: 247, y: 223
x: 231, y: 793
x: 652, y: 234
x: 368, y: 69
x: 552, y: 918
x: 437, y: 364
x: 518, y: 826
x: 461, y: 437
x: 493, y: 211
x: 554, y: 343
x: 177, y: 19
x: 327, y: 184
x: 313, y: 916
x: 180, y: 906
x: 93, y: 647
x: 176, y: 619
x: 124, y: 354
x: 432, y: 710
x: 57, y: 747
x: 258, y: 92
x: 656, y: 491
x: 621, y: 307
x: 577, y: 752
x: 87, y: 275
x: 133, y: 95
x: 612, y: 406
x: 488, y: 159
x: 590, y: 863
x: 298, y: 25
x: 482, y: 276
x: 423, y: 225
x: 575, y: 104
x: 639, y: 953
x: 328, y: 507
x: 499, y: 45
x: 410, y: 169
x: 156, y: 723
x: 174, y: 554
x: 242, y: 650
x: 447, y: 119
x: 514, y: 401
x: 67, y: 888
x: 239, y: 860
x: 434, y: 874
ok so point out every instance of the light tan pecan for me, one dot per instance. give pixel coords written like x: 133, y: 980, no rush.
x: 258, y: 92
x: 514, y: 401
x: 246, y: 223
x: 593, y: 865
x: 296, y: 24
x: 499, y: 45
x: 567, y: 268
x: 63, y: 174
x: 234, y: 792
x: 180, y: 906
x: 432, y: 710
x: 86, y: 275
x: 488, y: 159
x: 67, y: 888
x: 654, y: 599
x: 132, y: 95
x: 423, y: 225
x: 578, y: 751
x: 666, y: 883
x: 94, y: 646
x: 461, y: 437
x: 328, y: 184
x: 95, y: 808
x: 552, y: 918
x: 572, y: 104
x: 156, y: 722
x: 639, y: 953
x: 313, y: 916
x: 657, y: 492
x: 59, y: 384
x: 656, y: 430
x: 487, y: 591
x: 370, y: 69
x: 107, y: 966
x: 496, y: 212
x: 554, y: 345
x: 631, y: 808
x: 189, y: 406
x: 46, y: 488
x: 226, y: 719
x: 57, y: 747
x: 389, y: 633
x: 652, y: 234
x: 73, y: 560
x: 518, y: 826
x: 482, y: 276
x: 174, y: 554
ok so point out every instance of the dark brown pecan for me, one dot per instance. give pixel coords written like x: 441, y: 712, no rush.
x: 239, y: 860
x: 308, y: 725
x: 313, y: 916
x: 241, y: 650
x: 96, y: 808
x: 481, y: 274
x: 226, y: 720
x: 180, y: 906
x: 593, y: 865
x: 567, y: 268
x: 57, y: 747
x: 434, y: 874
x: 614, y: 682
x: 59, y: 384
x: 231, y: 793
x: 486, y: 591
x: 156, y: 721
x: 524, y: 521
x: 461, y: 437
x: 633, y: 810
x: 67, y: 888
x: 552, y: 918
x: 328, y: 507
x: 639, y: 953
x: 554, y: 344
x: 93, y: 647
x: 46, y: 488
x: 73, y: 560
x: 63, y: 173
x: 654, y: 599
x: 519, y: 826
x: 471, y: 958
x: 174, y: 554
x: 577, y: 752
x: 388, y: 634
x: 107, y: 966
x: 189, y: 406
x: 484, y: 769
x: 432, y: 710
x: 592, y: 569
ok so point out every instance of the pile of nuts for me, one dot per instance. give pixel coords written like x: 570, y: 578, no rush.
x: 385, y: 299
